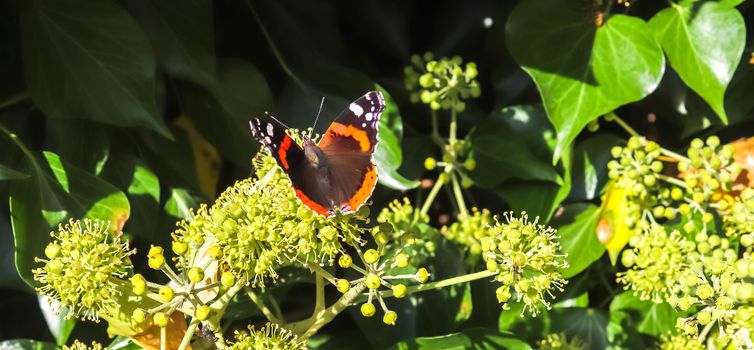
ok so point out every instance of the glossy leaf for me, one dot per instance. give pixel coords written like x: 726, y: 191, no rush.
x: 582, y: 71
x: 475, y: 338
x: 388, y: 155
x: 180, y: 203
x: 653, y: 319
x: 182, y: 35
x: 589, y: 325
x: 690, y: 33
x: 89, y: 59
x: 578, y: 237
x: 59, y: 325
x: 501, y: 154
x: 54, y: 191
x: 590, y: 166
x: 26, y: 344
x: 222, y: 116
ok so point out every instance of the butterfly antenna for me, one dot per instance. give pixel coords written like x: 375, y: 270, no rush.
x: 276, y: 119
x: 317, y: 117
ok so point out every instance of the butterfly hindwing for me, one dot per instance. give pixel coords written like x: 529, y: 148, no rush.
x: 349, y: 143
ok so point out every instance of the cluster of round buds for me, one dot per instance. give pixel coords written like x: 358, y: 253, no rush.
x: 380, y: 271
x: 269, y: 337
x: 402, y: 223
x: 525, y: 257
x: 258, y: 223
x: 469, y: 230
x: 656, y: 261
x: 84, y: 268
x: 738, y: 217
x: 710, y: 169
x: 636, y: 167
x: 77, y: 345
x: 680, y: 341
x: 457, y: 159
x: 442, y: 84
x: 559, y: 341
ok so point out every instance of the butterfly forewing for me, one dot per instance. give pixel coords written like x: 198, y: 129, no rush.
x: 349, y: 143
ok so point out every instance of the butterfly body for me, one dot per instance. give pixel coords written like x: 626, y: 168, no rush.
x: 336, y: 175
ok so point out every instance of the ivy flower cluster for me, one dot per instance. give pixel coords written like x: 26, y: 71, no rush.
x: 442, y: 84
x: 407, y: 226
x: 469, y: 230
x: 77, y: 345
x: 525, y: 256
x: 258, y: 224
x: 268, y: 337
x: 85, y: 267
x: 679, y: 254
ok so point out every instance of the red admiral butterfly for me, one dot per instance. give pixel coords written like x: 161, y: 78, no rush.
x: 337, y: 175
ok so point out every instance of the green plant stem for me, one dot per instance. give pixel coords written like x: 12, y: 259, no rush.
x: 260, y: 304
x: 431, y: 196
x: 189, y: 334
x: 321, y: 272
x: 19, y: 97
x: 319, y: 299
x: 706, y: 330
x: 453, y: 126
x: 672, y: 154
x: 218, y: 306
x: 623, y: 124
x: 274, y: 48
x: 436, y: 130
x: 459, y: 196
x: 325, y: 316
x: 434, y: 285
x: 163, y: 338
x: 671, y: 180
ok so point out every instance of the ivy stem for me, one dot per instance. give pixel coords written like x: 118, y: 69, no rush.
x: 319, y: 299
x: 19, y: 97
x: 325, y: 316
x: 189, y: 333
x: 672, y: 180
x: 459, y: 196
x: 436, y: 130
x: 431, y: 196
x: 163, y: 338
x: 274, y: 48
x: 623, y: 124
x: 672, y: 154
x: 435, y: 285
x: 322, y: 272
x: 260, y: 304
x: 706, y: 330
x: 453, y: 126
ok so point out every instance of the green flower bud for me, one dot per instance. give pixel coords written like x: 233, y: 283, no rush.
x: 371, y: 256
x: 166, y: 293
x: 373, y: 281
x: 227, y: 279
x: 389, y: 318
x: 430, y: 163
x: 196, y: 274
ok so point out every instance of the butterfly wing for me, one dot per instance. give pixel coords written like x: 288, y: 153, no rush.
x: 291, y: 158
x: 349, y: 143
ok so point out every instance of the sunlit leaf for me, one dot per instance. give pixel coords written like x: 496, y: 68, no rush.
x: 582, y: 70
x: 611, y: 229
x: 690, y: 33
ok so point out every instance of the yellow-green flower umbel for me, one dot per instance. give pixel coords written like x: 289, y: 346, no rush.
x: 526, y: 257
x: 84, y: 267
x: 269, y: 337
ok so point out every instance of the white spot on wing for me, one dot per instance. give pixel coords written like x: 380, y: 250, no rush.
x: 270, y: 130
x: 368, y: 116
x: 363, y: 125
x: 356, y: 109
x: 267, y: 140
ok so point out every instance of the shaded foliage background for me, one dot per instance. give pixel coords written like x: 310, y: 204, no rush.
x: 142, y: 108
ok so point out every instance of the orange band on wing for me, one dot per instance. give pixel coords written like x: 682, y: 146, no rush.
x: 357, y: 134
x: 316, y: 207
x: 365, y: 191
x: 283, y: 152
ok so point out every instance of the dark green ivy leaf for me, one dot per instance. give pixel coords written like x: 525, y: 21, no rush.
x: 474, y: 338
x: 88, y: 59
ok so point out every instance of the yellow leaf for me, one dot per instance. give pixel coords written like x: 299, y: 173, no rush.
x: 611, y: 228
x: 206, y: 157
